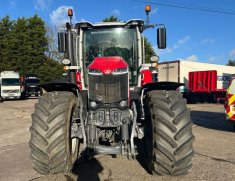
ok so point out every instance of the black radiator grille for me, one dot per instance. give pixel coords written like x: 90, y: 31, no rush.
x: 108, y: 88
x: 32, y: 89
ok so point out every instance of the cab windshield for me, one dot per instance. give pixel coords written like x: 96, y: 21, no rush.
x: 104, y: 42
x: 32, y: 82
x: 10, y: 82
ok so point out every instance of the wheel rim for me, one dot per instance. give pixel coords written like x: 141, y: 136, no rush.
x: 74, y: 145
x: 74, y: 142
x: 74, y: 149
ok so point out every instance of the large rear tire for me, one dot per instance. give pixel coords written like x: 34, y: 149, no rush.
x: 168, y: 133
x: 52, y: 149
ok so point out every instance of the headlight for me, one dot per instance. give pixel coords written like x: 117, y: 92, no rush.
x: 93, y: 104
x: 123, y: 103
x: 66, y: 61
x: 120, y: 71
x: 94, y: 71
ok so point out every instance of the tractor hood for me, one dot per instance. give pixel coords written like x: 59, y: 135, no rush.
x: 107, y: 65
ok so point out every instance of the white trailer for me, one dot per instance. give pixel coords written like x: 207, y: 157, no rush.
x: 178, y: 71
x: 10, y: 85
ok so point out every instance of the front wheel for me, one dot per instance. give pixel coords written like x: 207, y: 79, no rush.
x: 168, y: 133
x: 52, y: 149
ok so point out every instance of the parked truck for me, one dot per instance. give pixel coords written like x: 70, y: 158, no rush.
x: 30, y: 86
x: 10, y: 85
x: 109, y: 102
x: 204, y: 82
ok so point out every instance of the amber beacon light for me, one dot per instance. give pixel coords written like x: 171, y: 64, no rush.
x: 70, y: 12
x: 147, y: 8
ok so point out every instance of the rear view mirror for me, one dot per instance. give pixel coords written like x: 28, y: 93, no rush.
x: 154, y: 59
x: 62, y: 42
x: 161, y: 38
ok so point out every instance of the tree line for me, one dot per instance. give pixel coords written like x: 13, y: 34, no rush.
x: 231, y: 62
x: 23, y: 47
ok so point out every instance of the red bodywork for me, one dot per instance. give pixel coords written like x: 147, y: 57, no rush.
x: 108, y: 64
x: 79, y: 80
x: 146, y: 77
x: 202, y: 81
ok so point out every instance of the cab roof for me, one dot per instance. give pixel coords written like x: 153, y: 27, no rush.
x: 132, y: 22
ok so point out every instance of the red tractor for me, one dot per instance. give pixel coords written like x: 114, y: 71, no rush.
x: 109, y: 102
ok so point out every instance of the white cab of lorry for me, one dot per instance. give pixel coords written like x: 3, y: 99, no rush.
x: 10, y: 85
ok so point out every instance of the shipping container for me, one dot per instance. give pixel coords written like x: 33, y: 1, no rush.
x: 204, y: 82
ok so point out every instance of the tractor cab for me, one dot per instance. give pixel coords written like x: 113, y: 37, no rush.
x: 109, y: 39
x: 112, y: 39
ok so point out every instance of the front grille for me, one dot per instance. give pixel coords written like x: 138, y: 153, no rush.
x: 108, y: 88
x: 11, y: 91
x: 32, y: 89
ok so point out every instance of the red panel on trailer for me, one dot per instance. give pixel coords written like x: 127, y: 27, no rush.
x: 214, y: 80
x: 202, y: 81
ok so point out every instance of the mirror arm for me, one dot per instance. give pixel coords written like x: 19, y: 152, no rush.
x: 152, y: 26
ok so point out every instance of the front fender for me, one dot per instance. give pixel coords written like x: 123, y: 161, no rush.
x: 49, y: 87
x: 162, y: 85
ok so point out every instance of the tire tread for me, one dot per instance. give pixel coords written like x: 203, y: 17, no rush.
x: 48, y: 141
x: 172, y: 132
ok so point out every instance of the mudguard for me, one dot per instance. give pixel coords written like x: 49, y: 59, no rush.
x: 162, y: 86
x: 66, y: 86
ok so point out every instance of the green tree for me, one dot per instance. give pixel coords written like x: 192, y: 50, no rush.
x: 50, y: 70
x: 149, y: 51
x: 6, y: 26
x: 231, y: 63
x: 38, y: 41
x: 19, y: 46
x: 23, y: 44
x: 111, y: 19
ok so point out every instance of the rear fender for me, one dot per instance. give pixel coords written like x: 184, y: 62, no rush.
x: 162, y: 86
x: 49, y: 87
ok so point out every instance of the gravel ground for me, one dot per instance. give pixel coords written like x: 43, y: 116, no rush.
x: 214, y: 147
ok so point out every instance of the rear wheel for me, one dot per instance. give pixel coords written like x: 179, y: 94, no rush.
x: 52, y: 149
x: 168, y: 133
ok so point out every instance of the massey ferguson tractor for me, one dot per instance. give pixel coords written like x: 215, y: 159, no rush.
x: 109, y: 102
